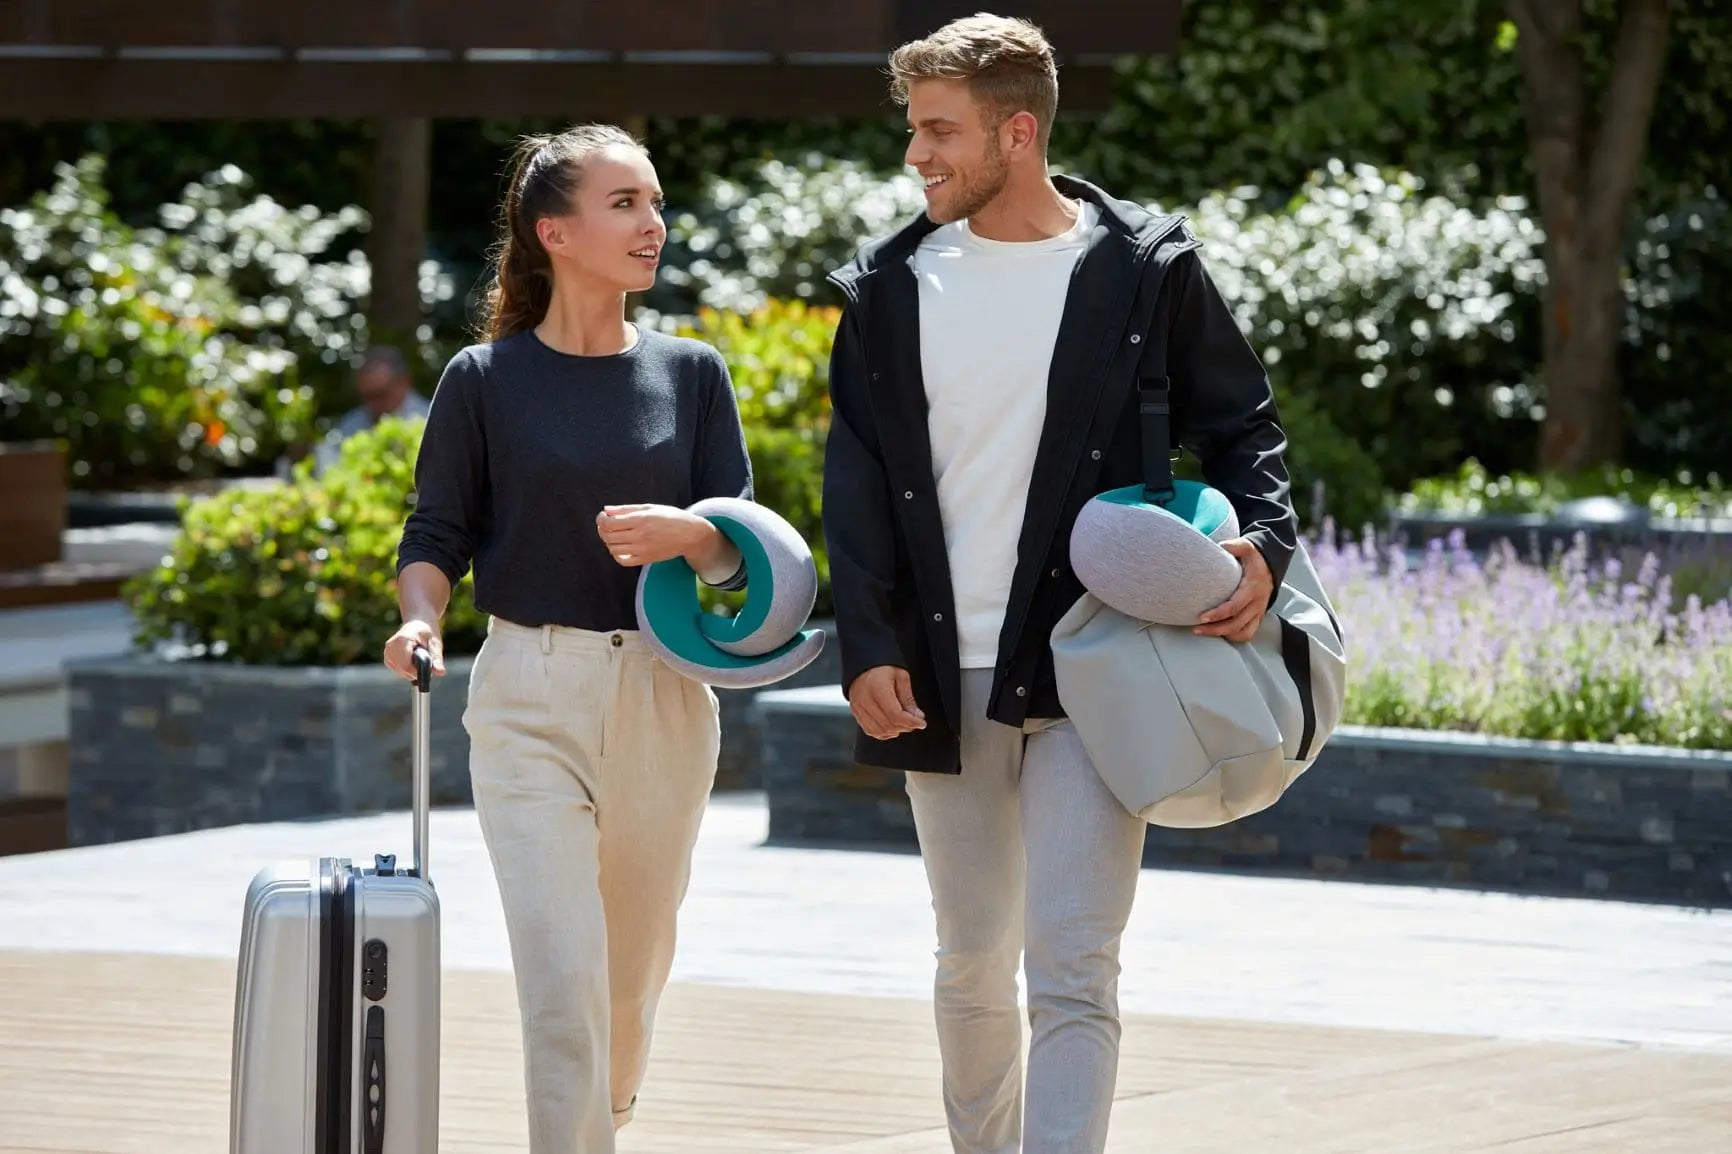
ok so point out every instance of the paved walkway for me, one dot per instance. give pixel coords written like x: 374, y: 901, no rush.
x: 128, y: 1054
x: 826, y: 921
x: 1264, y: 1017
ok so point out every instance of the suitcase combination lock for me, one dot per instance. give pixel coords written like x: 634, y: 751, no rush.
x: 374, y: 961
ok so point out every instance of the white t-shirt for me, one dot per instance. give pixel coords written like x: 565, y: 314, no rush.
x: 989, y: 316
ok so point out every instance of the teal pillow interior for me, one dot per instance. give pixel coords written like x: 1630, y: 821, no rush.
x: 1203, y: 508
x: 670, y: 598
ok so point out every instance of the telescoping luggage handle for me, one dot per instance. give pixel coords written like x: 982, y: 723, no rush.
x: 420, y: 771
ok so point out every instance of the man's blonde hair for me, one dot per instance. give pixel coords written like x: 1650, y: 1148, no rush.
x: 1007, y: 63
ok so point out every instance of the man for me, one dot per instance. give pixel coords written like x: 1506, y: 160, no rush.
x: 984, y: 386
x: 386, y: 390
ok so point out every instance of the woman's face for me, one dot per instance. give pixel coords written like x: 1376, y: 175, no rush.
x: 613, y: 235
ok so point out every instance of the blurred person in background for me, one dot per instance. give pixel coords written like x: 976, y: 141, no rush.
x: 386, y: 389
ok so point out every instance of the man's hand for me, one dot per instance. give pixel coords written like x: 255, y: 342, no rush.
x: 882, y: 699
x: 645, y: 534
x: 1238, y: 617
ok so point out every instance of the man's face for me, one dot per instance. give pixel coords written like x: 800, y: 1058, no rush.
x: 381, y: 390
x: 954, y: 149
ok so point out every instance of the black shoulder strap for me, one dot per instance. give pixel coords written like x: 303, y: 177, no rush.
x: 1154, y: 400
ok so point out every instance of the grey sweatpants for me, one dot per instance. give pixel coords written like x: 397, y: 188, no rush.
x: 1026, y: 852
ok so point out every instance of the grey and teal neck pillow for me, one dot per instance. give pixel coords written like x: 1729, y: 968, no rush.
x: 1157, y: 562
x: 766, y: 640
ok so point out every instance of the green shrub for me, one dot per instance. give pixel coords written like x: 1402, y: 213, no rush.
x: 779, y: 235
x: 301, y: 573
x: 300, y: 279
x: 1333, y: 476
x: 203, y: 347
x: 1393, y: 312
x: 1472, y: 490
x: 1399, y: 314
x: 779, y: 358
x: 122, y: 355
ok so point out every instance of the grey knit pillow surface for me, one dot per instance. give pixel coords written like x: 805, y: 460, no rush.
x: 1158, y: 564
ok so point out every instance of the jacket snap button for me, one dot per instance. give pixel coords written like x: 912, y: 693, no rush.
x: 1136, y: 338
x: 908, y: 496
x: 1096, y: 454
x: 938, y: 617
x: 1055, y: 572
x: 1022, y: 691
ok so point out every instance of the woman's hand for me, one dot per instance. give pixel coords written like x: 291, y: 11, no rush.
x: 645, y: 534
x: 423, y: 592
x: 400, y: 649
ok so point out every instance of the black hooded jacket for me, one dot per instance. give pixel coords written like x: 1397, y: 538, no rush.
x: 1139, y: 280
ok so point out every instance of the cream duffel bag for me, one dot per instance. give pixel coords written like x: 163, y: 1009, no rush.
x: 1189, y: 731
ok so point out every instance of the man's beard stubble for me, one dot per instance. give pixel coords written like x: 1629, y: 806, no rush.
x: 978, y: 189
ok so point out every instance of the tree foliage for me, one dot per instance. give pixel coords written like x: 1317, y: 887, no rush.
x: 1261, y: 95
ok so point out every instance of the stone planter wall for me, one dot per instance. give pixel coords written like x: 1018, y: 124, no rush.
x: 1531, y: 532
x: 1542, y: 817
x: 89, y: 509
x: 161, y: 747
x: 164, y: 747
x: 1378, y: 805
x: 817, y: 792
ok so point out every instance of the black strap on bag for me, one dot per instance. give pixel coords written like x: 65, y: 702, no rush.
x: 1154, y: 392
x: 1154, y: 400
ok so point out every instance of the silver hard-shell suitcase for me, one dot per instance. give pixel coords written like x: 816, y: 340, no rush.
x: 336, y: 1029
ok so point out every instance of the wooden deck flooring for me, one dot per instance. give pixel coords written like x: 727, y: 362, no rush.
x: 128, y: 1054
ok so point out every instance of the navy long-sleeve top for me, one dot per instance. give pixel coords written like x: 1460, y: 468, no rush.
x: 523, y: 447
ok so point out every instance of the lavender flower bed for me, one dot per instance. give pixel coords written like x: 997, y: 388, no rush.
x: 1574, y: 650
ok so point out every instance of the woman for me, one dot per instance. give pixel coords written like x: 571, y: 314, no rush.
x: 558, y: 457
